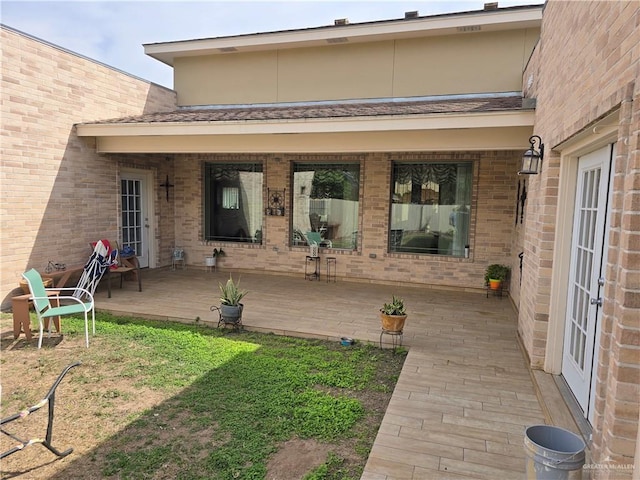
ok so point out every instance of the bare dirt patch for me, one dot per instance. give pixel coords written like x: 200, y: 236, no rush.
x: 295, y: 458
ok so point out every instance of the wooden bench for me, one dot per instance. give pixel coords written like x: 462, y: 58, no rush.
x: 61, y: 277
x: 128, y: 265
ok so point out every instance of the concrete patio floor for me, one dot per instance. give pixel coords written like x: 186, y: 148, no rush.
x: 465, y: 394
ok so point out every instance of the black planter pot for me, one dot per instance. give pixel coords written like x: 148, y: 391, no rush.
x: 231, y: 313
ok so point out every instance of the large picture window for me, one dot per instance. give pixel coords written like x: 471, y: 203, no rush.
x: 430, y: 208
x: 233, y: 202
x: 325, y: 204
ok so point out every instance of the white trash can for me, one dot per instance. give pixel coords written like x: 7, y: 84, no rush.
x: 553, y: 453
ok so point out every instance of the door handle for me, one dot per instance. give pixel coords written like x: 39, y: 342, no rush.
x: 596, y: 301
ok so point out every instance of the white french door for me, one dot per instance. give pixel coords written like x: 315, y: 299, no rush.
x: 586, y: 275
x: 135, y: 214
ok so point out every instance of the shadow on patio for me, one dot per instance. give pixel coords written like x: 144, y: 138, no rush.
x: 465, y: 395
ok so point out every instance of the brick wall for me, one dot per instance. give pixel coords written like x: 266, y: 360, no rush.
x: 494, y: 198
x: 57, y: 194
x: 586, y: 66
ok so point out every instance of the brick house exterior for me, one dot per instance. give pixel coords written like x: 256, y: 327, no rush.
x: 584, y: 75
x: 267, y: 123
x: 57, y: 192
x: 71, y: 128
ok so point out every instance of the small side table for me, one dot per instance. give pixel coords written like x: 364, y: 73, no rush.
x: 396, y: 338
x: 315, y: 263
x: 331, y: 265
x: 21, y: 319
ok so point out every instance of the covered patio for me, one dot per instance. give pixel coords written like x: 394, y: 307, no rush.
x: 465, y: 394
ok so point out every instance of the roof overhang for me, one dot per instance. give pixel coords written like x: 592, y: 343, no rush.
x: 482, y: 131
x: 447, y: 24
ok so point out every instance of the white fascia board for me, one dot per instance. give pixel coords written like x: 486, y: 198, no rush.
x: 324, y: 125
x: 360, y: 32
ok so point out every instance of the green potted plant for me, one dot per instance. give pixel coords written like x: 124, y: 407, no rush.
x: 495, y: 274
x: 230, y: 306
x: 393, y: 315
x: 210, y: 260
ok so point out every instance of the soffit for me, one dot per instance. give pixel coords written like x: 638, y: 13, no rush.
x: 448, y: 24
x: 452, y: 139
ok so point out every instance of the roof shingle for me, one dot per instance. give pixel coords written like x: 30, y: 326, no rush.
x: 326, y: 110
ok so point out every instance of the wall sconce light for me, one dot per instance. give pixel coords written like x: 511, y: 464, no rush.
x: 532, y: 157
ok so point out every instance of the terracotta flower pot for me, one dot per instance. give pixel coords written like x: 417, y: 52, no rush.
x: 392, y: 323
x: 495, y: 284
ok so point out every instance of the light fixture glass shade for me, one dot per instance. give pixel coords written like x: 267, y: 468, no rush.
x: 530, y: 160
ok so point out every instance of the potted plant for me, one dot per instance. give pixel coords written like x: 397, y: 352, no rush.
x: 230, y: 306
x: 210, y: 260
x: 393, y: 315
x: 495, y: 274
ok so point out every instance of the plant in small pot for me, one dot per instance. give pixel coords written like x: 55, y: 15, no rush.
x: 210, y: 260
x: 230, y: 306
x: 393, y: 315
x: 495, y: 274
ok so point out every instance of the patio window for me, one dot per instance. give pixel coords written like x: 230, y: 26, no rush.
x: 325, y: 204
x: 430, y: 208
x: 233, y: 202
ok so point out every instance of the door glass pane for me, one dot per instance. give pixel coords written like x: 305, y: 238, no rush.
x: 583, y: 265
x: 131, y: 215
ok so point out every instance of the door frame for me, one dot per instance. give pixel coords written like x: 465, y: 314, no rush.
x: 149, y: 196
x: 599, y: 135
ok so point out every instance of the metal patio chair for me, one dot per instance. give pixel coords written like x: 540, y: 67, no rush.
x: 64, y: 305
x: 49, y: 400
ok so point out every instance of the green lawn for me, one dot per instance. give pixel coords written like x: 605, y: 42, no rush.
x: 166, y: 400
